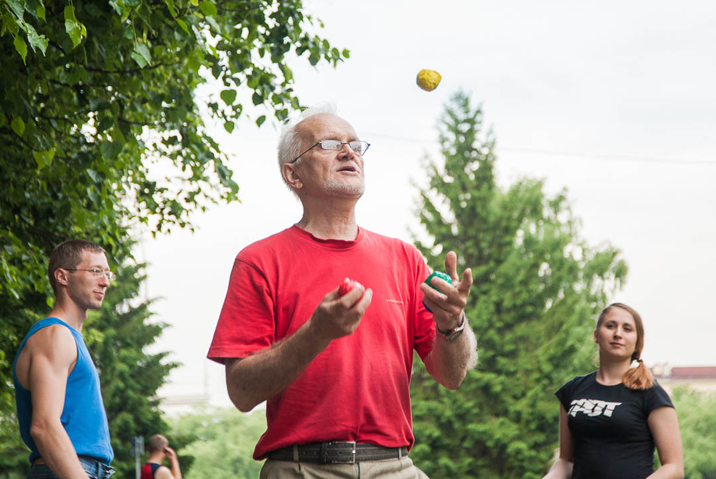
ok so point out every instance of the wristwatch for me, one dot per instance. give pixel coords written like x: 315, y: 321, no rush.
x: 455, y: 332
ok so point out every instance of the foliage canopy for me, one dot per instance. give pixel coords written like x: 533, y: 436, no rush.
x: 697, y: 421
x: 101, y: 129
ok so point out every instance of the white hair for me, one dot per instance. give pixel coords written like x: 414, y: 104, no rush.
x: 289, y: 141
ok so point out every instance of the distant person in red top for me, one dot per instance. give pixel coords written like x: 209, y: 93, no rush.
x: 335, y: 370
x: 158, y: 451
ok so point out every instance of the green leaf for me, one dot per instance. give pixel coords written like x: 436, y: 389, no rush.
x: 142, y: 51
x: 260, y: 120
x: 208, y: 9
x: 117, y: 6
x: 229, y: 126
x: 74, y: 28
x: 18, y: 126
x: 43, y: 158
x: 170, y: 5
x: 210, y: 20
x: 95, y: 176
x: 194, y: 62
x: 287, y: 72
x: 111, y: 149
x: 36, y: 41
x: 41, y: 12
x: 17, y: 7
x: 21, y: 47
x: 195, y: 2
x: 229, y: 96
x: 257, y: 98
x: 141, y: 61
x: 182, y: 24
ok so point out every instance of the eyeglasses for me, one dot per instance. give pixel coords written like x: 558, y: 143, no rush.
x: 358, y: 146
x: 97, y: 273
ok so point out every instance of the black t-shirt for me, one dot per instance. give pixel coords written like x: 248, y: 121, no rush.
x: 609, y: 428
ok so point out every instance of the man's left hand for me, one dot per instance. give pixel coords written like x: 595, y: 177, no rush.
x: 448, y: 304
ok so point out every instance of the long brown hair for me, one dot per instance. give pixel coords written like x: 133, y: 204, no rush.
x: 640, y: 377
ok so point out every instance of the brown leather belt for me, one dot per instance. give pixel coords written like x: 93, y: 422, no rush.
x: 336, y: 452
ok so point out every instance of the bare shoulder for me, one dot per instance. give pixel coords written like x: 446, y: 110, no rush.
x: 163, y: 473
x: 54, y: 340
x: 52, y: 346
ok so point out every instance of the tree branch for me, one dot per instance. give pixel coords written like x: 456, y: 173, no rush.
x: 126, y: 72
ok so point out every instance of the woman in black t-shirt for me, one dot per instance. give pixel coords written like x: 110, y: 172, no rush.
x: 611, y: 420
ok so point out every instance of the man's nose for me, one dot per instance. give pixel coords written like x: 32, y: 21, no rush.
x: 346, y: 151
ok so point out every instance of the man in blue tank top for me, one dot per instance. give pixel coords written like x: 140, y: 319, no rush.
x: 59, y: 404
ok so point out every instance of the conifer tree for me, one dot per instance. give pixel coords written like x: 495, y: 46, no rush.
x: 130, y: 375
x: 537, y: 288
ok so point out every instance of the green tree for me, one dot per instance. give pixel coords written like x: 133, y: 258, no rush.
x: 118, y: 338
x: 697, y: 421
x: 13, y: 453
x: 100, y: 127
x: 221, y: 442
x: 537, y: 287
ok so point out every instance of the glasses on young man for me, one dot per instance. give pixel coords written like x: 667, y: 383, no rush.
x: 358, y: 146
x: 96, y: 273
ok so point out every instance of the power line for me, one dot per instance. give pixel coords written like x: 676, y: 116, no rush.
x: 597, y: 156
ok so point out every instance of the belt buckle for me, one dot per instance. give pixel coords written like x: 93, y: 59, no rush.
x: 353, y: 452
x: 338, y: 461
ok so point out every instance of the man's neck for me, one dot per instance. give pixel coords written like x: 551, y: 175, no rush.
x: 330, y: 220
x: 156, y: 457
x: 70, y: 313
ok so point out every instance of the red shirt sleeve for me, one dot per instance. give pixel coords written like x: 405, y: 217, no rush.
x: 246, y: 323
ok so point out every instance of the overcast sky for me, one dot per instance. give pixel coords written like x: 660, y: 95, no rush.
x: 614, y: 101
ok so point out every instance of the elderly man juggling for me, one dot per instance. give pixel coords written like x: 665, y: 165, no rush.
x: 335, y: 370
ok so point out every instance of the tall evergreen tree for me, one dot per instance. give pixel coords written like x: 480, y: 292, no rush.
x: 118, y: 338
x: 537, y: 287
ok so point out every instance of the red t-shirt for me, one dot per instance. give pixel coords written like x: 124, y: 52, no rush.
x: 358, y: 388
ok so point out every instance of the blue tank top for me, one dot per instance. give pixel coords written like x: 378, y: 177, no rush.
x: 83, y: 414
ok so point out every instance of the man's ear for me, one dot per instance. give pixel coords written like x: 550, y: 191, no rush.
x: 61, y: 276
x: 291, y: 176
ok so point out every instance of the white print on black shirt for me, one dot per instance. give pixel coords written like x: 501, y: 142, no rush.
x: 592, y: 407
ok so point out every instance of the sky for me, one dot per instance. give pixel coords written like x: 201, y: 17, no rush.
x: 612, y: 101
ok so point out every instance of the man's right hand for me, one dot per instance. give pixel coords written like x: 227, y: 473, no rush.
x: 165, y: 473
x: 261, y: 376
x: 171, y: 455
x: 337, y: 316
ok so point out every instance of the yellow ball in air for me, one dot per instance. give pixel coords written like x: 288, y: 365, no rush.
x: 428, y: 80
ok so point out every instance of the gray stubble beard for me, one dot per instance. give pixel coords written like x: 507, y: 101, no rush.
x: 344, y: 189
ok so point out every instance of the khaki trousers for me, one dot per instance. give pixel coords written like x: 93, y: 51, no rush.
x: 402, y: 468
